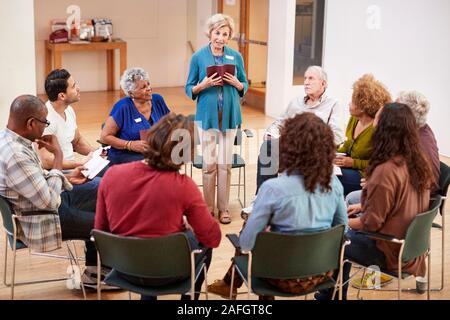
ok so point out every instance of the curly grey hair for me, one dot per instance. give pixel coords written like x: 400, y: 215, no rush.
x: 418, y: 104
x: 218, y: 21
x: 129, y: 78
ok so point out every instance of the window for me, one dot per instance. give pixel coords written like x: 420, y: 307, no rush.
x: 308, y: 48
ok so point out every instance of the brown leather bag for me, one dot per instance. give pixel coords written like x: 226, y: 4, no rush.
x: 298, y: 286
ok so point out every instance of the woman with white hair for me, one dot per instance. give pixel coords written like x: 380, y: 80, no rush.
x: 131, y: 117
x: 218, y: 109
x: 420, y: 107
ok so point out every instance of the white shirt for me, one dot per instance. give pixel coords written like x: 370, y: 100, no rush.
x: 327, y: 109
x: 63, y: 129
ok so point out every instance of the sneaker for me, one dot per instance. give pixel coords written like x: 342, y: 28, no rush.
x: 245, y: 212
x: 221, y: 288
x: 89, y: 278
x: 369, y: 281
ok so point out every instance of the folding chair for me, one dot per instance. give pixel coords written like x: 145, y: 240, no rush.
x: 162, y: 257
x: 415, y: 244
x: 287, y: 256
x: 10, y: 221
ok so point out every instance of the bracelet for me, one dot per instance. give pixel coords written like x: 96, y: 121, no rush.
x: 129, y: 145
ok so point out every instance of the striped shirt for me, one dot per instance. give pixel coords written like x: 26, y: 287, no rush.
x: 28, y: 187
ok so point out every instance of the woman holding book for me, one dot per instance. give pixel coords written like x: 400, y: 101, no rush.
x: 218, y: 108
x: 131, y: 117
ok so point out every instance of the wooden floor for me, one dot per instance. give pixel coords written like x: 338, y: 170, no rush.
x: 92, y: 111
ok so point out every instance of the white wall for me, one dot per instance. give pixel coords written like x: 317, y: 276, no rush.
x: 17, y: 60
x: 198, y: 12
x: 410, y: 50
x: 155, y: 31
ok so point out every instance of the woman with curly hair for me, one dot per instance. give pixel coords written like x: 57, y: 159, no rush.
x: 156, y: 197
x: 398, y: 185
x: 305, y: 197
x: 369, y: 95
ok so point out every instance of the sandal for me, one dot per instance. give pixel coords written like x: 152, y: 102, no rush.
x: 224, y: 217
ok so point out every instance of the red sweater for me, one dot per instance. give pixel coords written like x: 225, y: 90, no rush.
x: 137, y: 200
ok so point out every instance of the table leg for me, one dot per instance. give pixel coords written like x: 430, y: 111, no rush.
x: 110, y: 69
x: 48, y: 61
x: 123, y: 62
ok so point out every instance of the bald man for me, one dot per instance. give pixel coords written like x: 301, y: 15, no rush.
x: 28, y: 187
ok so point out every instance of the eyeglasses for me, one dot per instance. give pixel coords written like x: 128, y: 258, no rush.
x: 46, y: 122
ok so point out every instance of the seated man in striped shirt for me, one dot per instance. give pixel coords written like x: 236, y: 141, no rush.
x: 28, y: 187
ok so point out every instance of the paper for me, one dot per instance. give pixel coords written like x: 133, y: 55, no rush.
x: 99, y: 151
x: 94, y: 166
x: 220, y: 70
x: 337, y: 171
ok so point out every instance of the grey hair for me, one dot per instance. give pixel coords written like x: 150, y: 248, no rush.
x: 129, y: 78
x: 322, y: 74
x: 218, y: 21
x: 418, y: 103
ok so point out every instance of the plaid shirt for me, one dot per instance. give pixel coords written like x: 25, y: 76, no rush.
x: 28, y: 187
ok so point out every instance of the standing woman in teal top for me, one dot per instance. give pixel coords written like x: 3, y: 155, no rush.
x: 218, y: 109
x: 369, y: 95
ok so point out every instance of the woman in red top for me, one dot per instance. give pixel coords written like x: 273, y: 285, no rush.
x: 155, y: 197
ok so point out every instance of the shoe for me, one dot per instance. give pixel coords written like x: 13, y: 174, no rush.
x: 245, y: 212
x: 221, y: 288
x: 224, y: 217
x: 89, y: 278
x: 369, y: 281
x: 325, y: 295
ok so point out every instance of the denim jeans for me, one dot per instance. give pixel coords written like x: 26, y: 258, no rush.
x: 350, y: 179
x: 268, y: 162
x: 77, y: 215
x: 353, y: 197
x: 125, y: 158
x: 362, y: 250
x: 206, y: 253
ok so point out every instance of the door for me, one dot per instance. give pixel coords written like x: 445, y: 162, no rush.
x: 251, y: 18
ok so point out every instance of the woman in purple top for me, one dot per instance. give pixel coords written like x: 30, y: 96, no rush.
x: 131, y: 117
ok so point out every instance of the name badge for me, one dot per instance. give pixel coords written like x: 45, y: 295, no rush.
x: 229, y: 57
x: 137, y: 120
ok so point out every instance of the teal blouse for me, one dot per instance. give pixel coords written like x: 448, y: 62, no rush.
x: 207, y: 113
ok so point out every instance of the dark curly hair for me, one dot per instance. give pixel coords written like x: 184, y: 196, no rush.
x: 307, y: 148
x: 164, y: 137
x: 396, y: 135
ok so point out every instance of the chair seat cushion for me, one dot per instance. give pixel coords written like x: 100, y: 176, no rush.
x: 19, y: 244
x: 180, y: 287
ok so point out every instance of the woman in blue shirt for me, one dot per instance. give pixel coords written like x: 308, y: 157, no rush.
x: 218, y: 109
x: 131, y: 117
x: 307, y: 196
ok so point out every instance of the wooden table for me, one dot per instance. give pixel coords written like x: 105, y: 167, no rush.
x: 53, y: 56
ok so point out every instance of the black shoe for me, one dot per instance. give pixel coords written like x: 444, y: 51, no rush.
x: 326, y: 296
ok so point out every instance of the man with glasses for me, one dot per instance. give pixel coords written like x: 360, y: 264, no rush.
x: 63, y: 91
x: 29, y: 187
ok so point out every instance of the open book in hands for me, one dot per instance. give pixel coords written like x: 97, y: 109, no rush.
x: 221, y: 70
x: 95, y: 165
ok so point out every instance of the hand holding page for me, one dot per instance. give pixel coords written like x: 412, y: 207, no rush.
x: 94, y: 166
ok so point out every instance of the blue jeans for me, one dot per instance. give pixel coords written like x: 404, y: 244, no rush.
x: 125, y: 158
x: 353, y: 197
x: 362, y: 250
x: 350, y: 179
x: 157, y: 282
x: 268, y: 162
x: 77, y: 215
